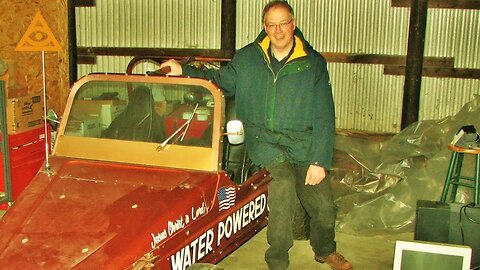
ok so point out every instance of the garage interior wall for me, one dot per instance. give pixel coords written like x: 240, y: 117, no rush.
x: 25, y: 76
x: 359, y: 39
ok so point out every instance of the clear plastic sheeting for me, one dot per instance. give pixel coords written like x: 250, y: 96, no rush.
x: 377, y: 183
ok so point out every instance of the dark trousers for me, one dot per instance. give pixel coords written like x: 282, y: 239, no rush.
x: 285, y: 191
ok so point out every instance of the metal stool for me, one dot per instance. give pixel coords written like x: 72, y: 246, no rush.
x: 455, y: 179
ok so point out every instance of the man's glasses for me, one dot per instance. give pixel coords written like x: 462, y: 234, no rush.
x: 283, y: 25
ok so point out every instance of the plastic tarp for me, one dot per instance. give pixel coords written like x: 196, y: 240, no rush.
x: 377, y: 183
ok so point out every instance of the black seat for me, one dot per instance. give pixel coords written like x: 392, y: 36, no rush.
x: 235, y: 159
x: 139, y: 121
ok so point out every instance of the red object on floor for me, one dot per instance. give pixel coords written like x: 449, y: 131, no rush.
x: 27, y: 155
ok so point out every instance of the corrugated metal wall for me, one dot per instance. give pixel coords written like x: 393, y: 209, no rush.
x: 365, y: 98
x: 146, y: 24
x: 150, y: 23
x: 451, y: 33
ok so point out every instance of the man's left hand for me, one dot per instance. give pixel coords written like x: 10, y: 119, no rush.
x: 315, y: 175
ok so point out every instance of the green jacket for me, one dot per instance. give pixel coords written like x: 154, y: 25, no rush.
x: 286, y: 117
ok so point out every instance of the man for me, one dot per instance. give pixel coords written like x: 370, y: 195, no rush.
x: 283, y: 97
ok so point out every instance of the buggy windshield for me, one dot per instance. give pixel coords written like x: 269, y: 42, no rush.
x: 147, y: 112
x: 147, y: 120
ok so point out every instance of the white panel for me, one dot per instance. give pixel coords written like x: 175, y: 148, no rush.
x: 150, y: 24
x: 454, y: 33
x: 365, y: 99
x: 444, y: 97
x: 336, y: 25
x: 249, y: 21
x: 467, y: 52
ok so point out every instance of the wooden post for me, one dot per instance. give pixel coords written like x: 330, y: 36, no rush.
x: 72, y: 42
x: 413, y: 72
x: 228, y: 28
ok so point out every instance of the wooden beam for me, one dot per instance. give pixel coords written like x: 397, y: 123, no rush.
x: 453, y: 4
x: 85, y: 3
x: 437, y: 72
x: 384, y: 59
x: 86, y: 60
x: 123, y: 51
x: 394, y: 64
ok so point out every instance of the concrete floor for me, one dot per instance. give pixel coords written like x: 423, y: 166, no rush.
x: 364, y: 252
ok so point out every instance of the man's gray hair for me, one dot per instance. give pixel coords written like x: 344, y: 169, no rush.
x: 277, y: 3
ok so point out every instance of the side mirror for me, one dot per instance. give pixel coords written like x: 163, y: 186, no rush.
x: 52, y: 119
x: 235, y: 132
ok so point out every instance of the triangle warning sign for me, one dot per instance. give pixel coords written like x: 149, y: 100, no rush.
x: 38, y: 37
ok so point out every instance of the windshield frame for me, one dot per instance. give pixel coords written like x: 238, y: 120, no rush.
x: 145, y: 153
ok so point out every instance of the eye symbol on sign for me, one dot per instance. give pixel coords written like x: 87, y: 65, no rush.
x: 38, y: 37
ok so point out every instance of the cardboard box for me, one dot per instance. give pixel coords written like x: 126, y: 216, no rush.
x: 99, y: 102
x: 104, y: 110
x: 108, y: 113
x: 89, y: 127
x: 24, y: 113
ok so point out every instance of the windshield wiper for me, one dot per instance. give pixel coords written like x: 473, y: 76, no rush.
x: 186, y: 124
